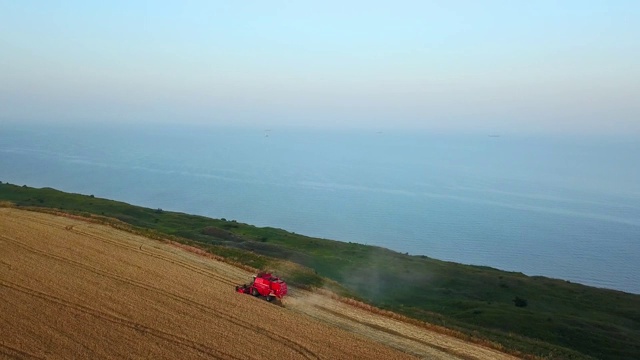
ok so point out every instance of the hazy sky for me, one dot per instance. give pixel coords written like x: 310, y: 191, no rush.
x: 488, y: 66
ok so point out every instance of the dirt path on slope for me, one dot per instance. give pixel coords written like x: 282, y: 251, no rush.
x: 73, y: 289
x: 410, y: 338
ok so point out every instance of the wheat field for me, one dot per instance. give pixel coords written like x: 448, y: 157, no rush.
x: 70, y: 288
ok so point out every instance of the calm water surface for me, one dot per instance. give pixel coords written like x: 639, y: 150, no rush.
x: 567, y: 208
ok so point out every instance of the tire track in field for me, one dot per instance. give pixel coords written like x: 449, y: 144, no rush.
x: 65, y: 334
x: 172, y: 260
x: 179, y: 340
x: 16, y: 353
x: 73, y: 228
x: 296, y: 347
x: 200, y: 271
x: 33, y: 220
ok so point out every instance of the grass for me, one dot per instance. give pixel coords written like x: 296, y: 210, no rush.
x: 561, y: 320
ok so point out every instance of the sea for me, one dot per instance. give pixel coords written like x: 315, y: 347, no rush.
x: 560, y: 206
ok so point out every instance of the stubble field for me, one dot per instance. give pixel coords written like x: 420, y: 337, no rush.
x: 75, y: 289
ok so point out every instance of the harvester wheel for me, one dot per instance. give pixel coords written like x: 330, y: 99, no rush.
x: 255, y: 292
x: 270, y: 298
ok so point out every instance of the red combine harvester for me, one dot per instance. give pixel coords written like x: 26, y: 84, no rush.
x: 265, y: 285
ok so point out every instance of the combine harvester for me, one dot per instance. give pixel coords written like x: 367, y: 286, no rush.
x: 266, y: 286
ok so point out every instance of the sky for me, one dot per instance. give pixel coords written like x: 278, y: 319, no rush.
x: 480, y: 66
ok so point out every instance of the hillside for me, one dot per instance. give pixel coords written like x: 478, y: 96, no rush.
x: 534, y: 315
x: 76, y: 289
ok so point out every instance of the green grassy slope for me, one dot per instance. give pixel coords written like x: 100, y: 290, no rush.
x: 560, y: 319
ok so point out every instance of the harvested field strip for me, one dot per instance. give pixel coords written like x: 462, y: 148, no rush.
x: 409, y: 337
x: 394, y: 333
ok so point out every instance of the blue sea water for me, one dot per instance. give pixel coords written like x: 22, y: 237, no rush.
x: 560, y: 207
